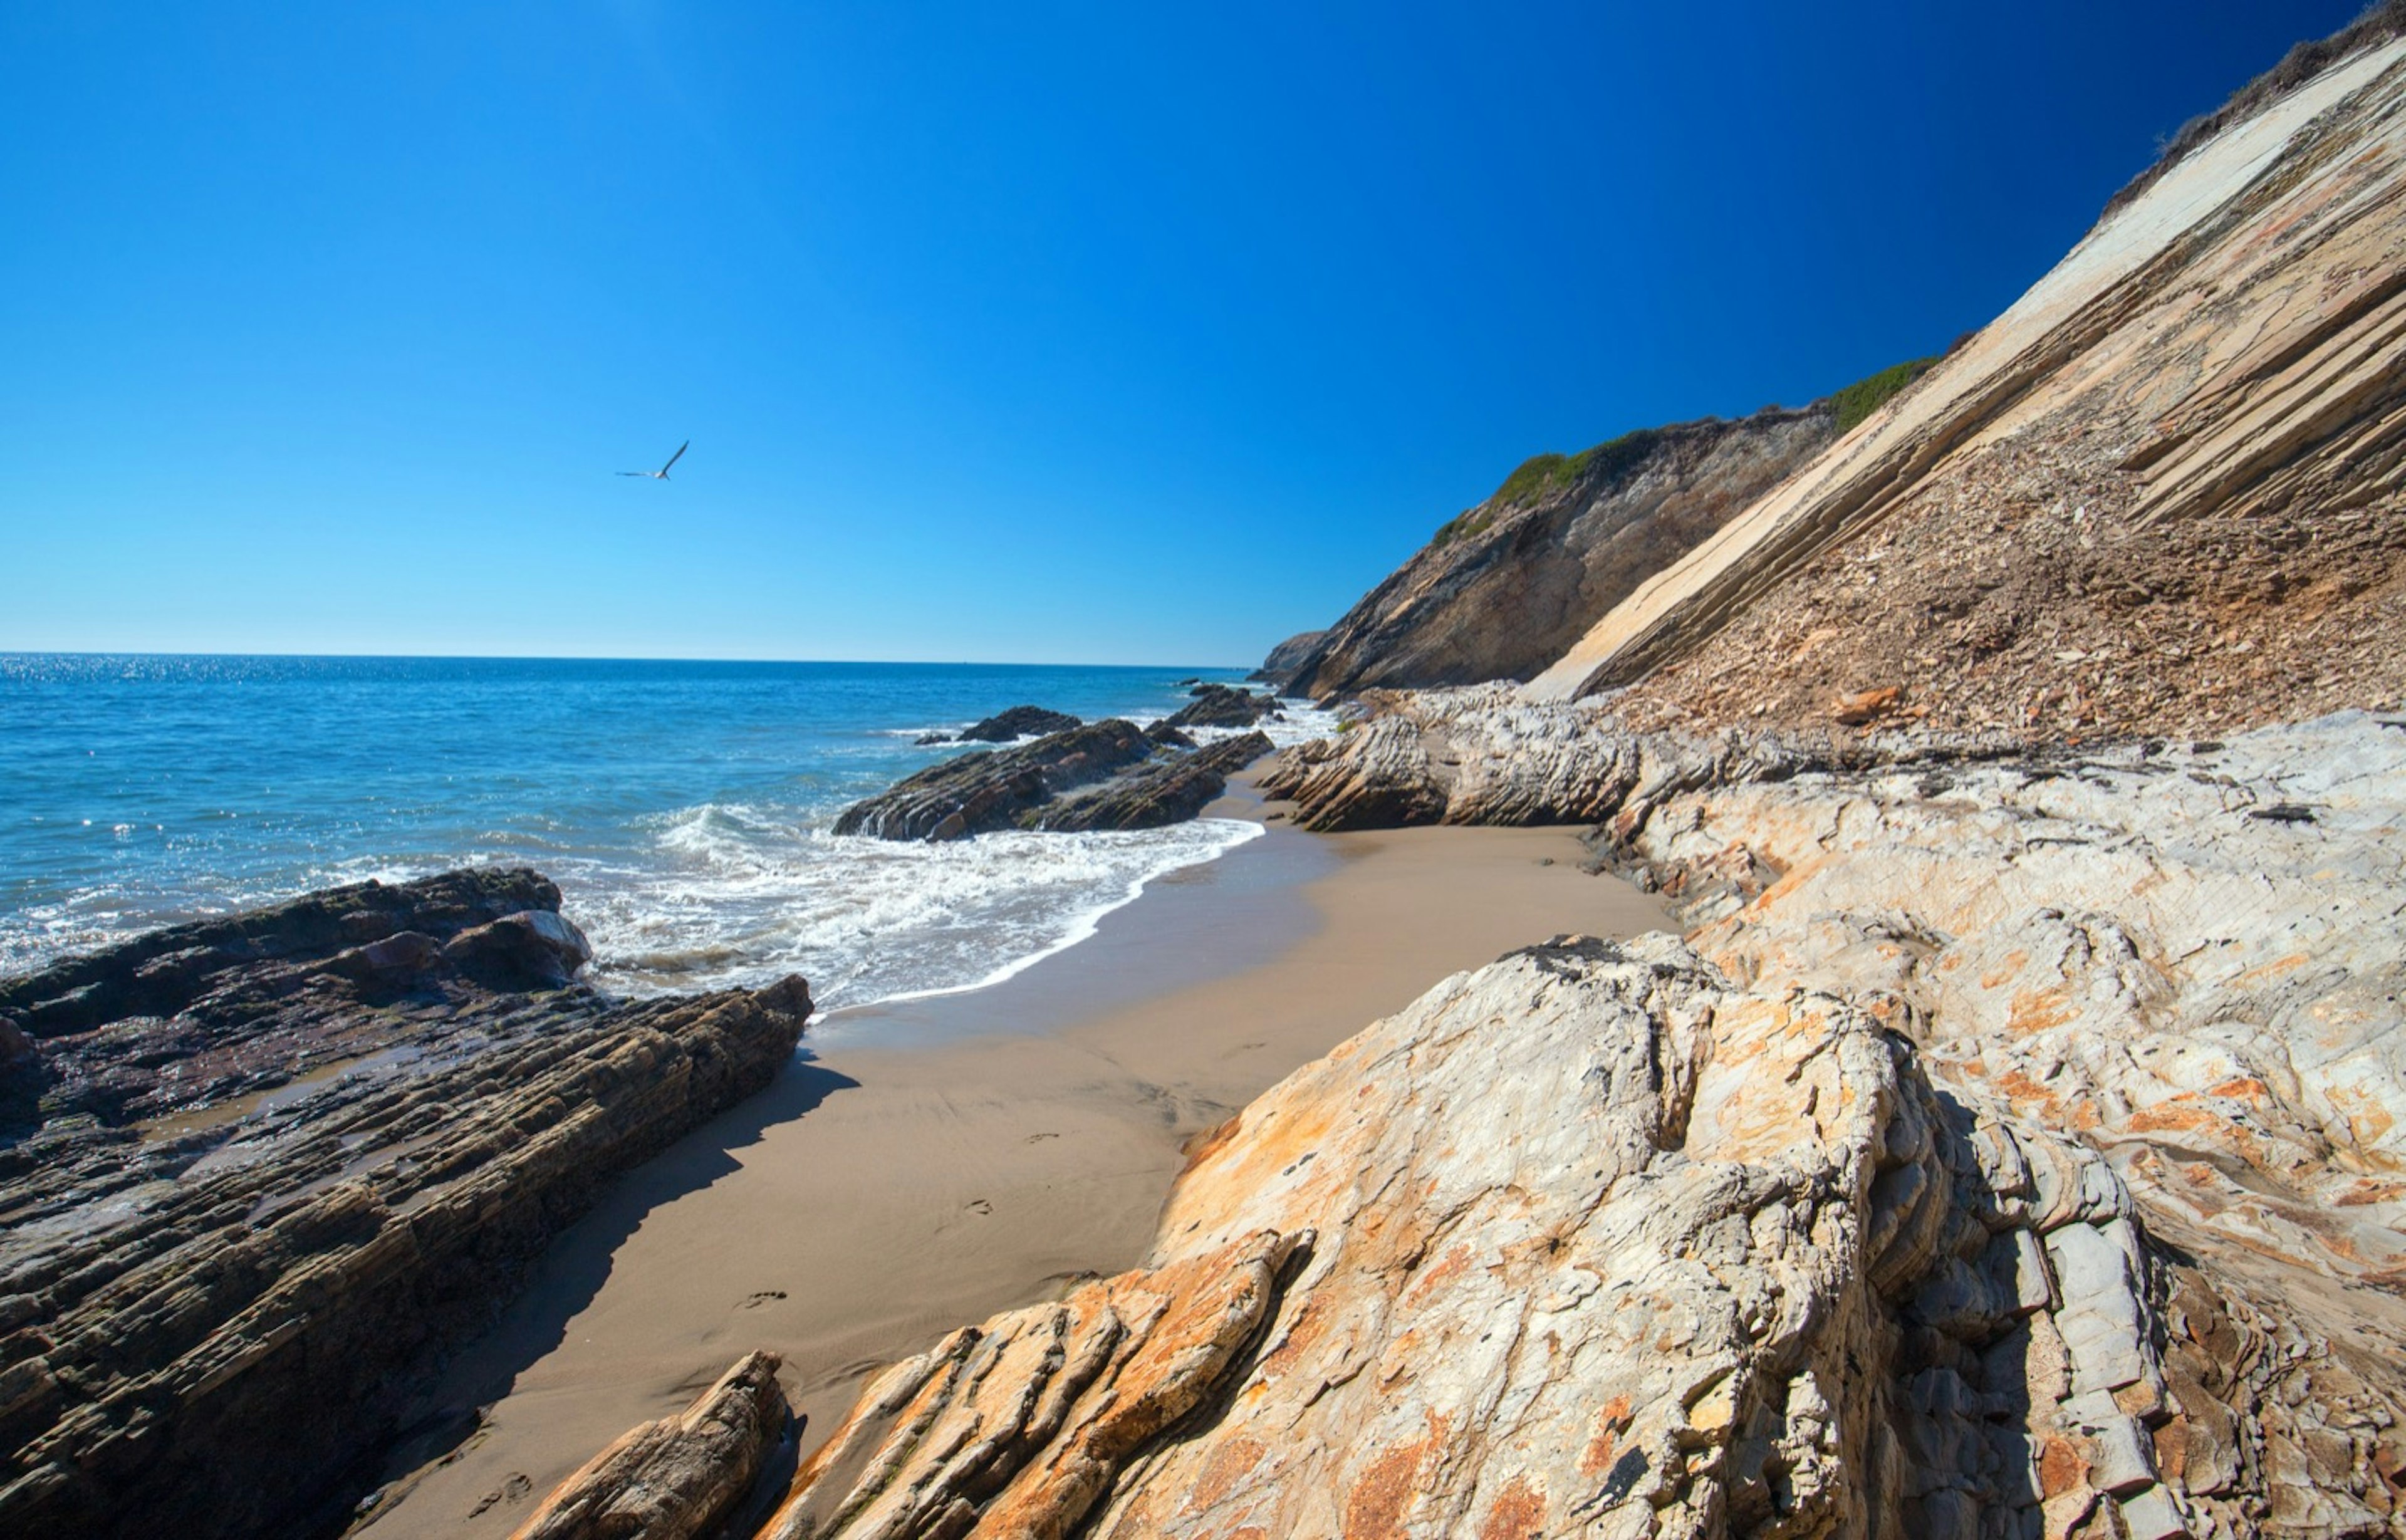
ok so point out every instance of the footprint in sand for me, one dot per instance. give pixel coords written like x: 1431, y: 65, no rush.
x: 515, y: 1490
x: 1039, y: 1138
x: 758, y: 1297
x: 980, y: 1205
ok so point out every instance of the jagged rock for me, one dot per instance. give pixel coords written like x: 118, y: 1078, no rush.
x: 196, y: 1014
x: 1166, y: 790
x: 2159, y: 494
x: 205, y: 1323
x: 675, y: 1479
x: 1017, y: 723
x: 1168, y: 736
x: 1593, y: 1241
x: 993, y: 789
x: 1279, y: 668
x: 927, y: 739
x: 1225, y: 706
x: 1506, y: 587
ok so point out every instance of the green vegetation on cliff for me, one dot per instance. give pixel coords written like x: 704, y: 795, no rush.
x: 1866, y: 396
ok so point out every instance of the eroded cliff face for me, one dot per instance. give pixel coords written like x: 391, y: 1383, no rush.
x: 2162, y: 492
x: 1506, y: 588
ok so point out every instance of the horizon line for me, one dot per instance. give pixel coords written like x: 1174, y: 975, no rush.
x: 588, y: 657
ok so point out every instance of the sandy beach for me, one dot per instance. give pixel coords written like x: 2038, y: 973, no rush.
x: 928, y: 1161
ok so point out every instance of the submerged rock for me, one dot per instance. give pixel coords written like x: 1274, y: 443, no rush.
x: 207, y: 1322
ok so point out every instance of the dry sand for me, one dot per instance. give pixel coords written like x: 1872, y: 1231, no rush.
x: 931, y: 1162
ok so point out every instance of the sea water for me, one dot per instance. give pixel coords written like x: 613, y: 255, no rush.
x: 685, y: 809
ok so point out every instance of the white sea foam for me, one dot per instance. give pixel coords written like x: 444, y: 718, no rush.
x: 743, y: 894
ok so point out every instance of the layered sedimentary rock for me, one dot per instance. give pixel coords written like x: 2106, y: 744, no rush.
x: 1280, y: 666
x: 1594, y: 1241
x: 2187, y: 954
x: 677, y: 1478
x: 2165, y: 491
x: 1168, y: 789
x: 995, y: 789
x: 1506, y: 588
x: 1018, y: 722
x: 1105, y: 775
x: 1225, y: 706
x: 211, y: 1311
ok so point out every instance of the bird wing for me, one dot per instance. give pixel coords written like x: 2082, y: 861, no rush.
x: 634, y: 472
x: 678, y: 456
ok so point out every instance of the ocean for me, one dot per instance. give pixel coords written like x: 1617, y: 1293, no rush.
x: 684, y: 808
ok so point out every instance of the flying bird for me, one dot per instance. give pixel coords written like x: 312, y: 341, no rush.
x: 662, y: 474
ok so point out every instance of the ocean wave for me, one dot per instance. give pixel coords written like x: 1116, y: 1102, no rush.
x: 745, y: 893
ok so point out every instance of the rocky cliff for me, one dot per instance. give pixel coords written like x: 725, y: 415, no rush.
x: 280, y: 1164
x: 1504, y: 589
x: 2162, y: 492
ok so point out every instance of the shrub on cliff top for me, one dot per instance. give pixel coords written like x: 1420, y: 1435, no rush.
x: 1544, y: 475
x: 2379, y: 23
x: 1866, y: 396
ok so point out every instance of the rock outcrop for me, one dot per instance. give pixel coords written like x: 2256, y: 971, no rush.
x: 1018, y: 722
x: 1503, y: 590
x: 193, y: 1015
x: 678, y: 1478
x: 1225, y: 706
x: 213, y: 1311
x: 1106, y: 775
x: 1280, y: 667
x: 1167, y: 789
x: 1595, y: 1241
x: 2164, y: 492
x: 996, y: 789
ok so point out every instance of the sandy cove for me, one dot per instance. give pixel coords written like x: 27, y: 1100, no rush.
x: 931, y: 1162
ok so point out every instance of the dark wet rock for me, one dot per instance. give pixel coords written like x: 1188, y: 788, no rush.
x: 1168, y: 736
x: 210, y: 1324
x: 1170, y: 789
x: 192, y: 1014
x: 1017, y: 723
x: 926, y: 739
x: 1225, y: 706
x: 995, y: 789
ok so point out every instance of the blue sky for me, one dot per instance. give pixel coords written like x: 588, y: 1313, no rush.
x: 1033, y: 332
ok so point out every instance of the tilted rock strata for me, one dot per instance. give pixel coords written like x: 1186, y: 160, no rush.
x: 192, y: 1014
x: 2165, y: 491
x: 1280, y: 667
x: 1225, y: 706
x: 981, y: 792
x: 1506, y: 589
x: 1018, y: 722
x: 677, y: 1478
x: 204, y: 1324
x: 1168, y: 789
x: 1591, y: 1241
x: 1105, y: 776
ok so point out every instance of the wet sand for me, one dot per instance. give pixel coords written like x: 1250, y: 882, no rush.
x: 927, y: 1163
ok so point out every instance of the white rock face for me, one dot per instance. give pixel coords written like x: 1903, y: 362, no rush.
x: 1593, y: 1242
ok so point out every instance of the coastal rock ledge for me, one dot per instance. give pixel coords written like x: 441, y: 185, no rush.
x: 1594, y: 1241
x: 216, y: 1307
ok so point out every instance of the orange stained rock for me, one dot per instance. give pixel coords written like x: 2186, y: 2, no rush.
x: 1375, y: 1506
x: 1519, y: 1514
x: 1611, y: 1420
